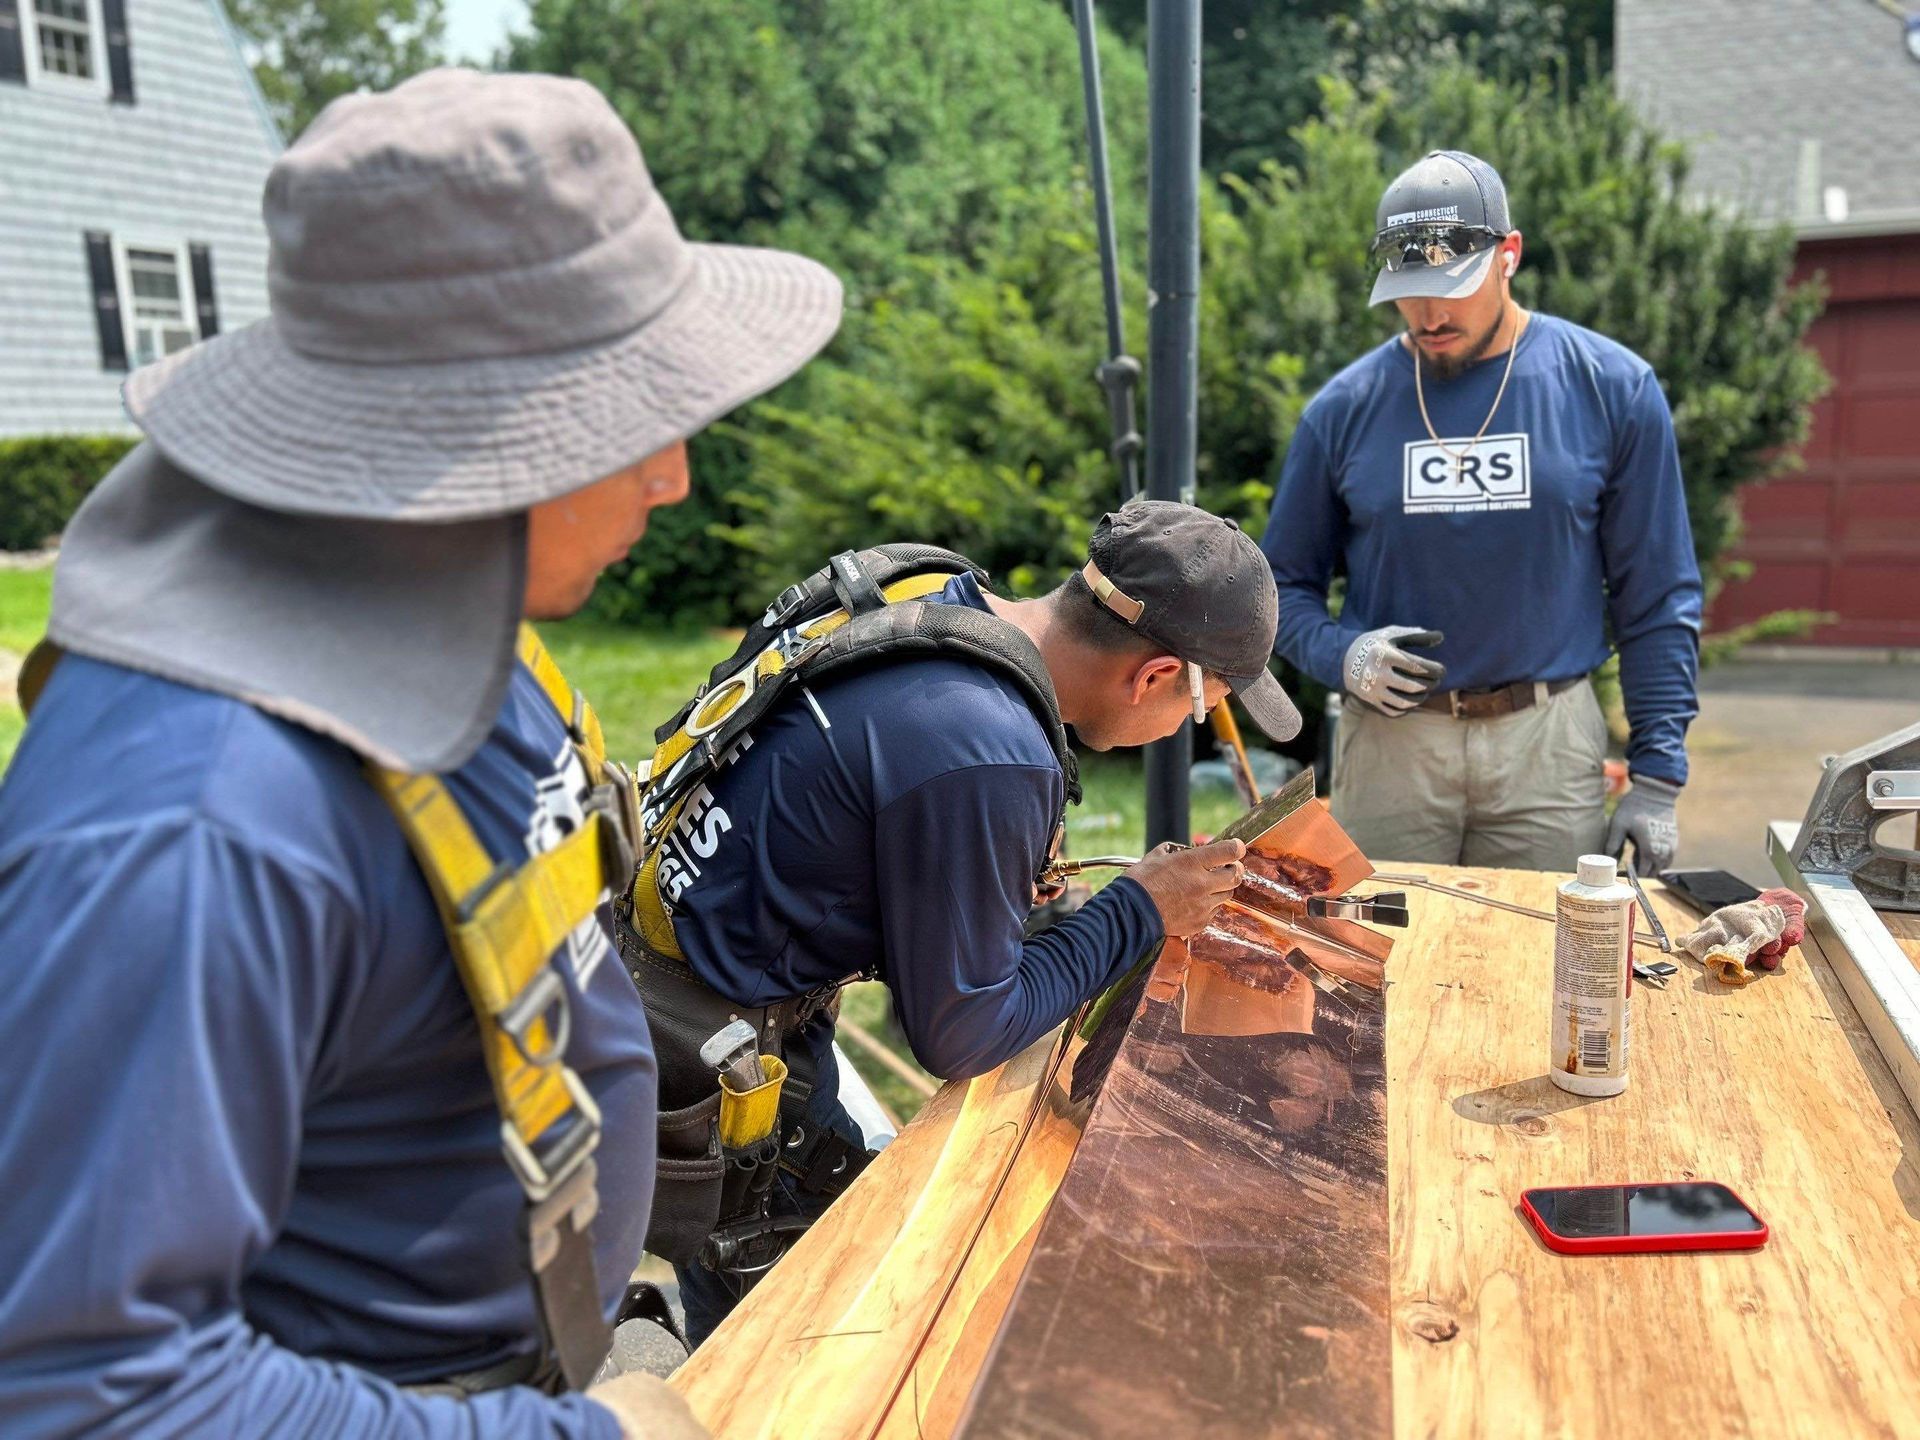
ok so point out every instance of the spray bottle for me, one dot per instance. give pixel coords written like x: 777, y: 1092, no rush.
x: 1592, y: 980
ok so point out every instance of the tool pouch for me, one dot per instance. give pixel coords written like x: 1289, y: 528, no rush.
x: 688, y: 1179
x: 748, y: 1116
x: 750, y: 1142
x: 748, y: 1184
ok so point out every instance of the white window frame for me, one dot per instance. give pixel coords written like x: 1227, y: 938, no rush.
x: 96, y: 86
x: 123, y: 282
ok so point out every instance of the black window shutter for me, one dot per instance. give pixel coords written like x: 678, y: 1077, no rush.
x: 201, y: 257
x: 119, y: 52
x: 13, y: 50
x: 106, y: 301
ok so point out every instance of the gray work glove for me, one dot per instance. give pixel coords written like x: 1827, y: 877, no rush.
x: 1645, y: 816
x: 1379, y: 672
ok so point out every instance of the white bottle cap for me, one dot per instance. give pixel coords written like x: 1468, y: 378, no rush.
x: 1598, y: 870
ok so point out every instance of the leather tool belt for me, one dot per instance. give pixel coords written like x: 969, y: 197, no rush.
x: 1500, y: 700
x: 712, y: 1205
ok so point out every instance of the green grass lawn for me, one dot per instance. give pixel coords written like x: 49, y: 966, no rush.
x: 24, y: 598
x: 636, y: 679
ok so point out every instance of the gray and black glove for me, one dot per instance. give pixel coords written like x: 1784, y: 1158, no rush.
x: 1379, y: 672
x: 1645, y: 816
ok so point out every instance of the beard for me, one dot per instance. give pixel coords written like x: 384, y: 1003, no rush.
x: 1446, y: 367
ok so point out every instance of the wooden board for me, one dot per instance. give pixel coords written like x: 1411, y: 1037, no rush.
x: 1905, y: 930
x: 845, y: 1337
x: 1777, y: 1089
x: 1762, y: 1088
x: 1216, y: 1260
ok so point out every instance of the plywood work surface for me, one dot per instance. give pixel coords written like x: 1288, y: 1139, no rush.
x: 1905, y: 930
x: 874, y: 1323
x: 1773, y: 1089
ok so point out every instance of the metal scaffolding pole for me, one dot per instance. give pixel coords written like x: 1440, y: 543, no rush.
x: 1173, y: 328
x: 1119, y: 373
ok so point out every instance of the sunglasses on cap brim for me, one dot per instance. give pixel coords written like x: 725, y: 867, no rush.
x: 1415, y: 245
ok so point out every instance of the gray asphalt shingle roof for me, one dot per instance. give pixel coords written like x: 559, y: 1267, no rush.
x: 1781, y: 100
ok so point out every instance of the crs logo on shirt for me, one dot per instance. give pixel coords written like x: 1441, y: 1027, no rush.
x: 695, y: 836
x: 1492, y: 474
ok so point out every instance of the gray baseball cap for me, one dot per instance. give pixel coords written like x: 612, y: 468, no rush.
x: 1198, y: 585
x: 1446, y: 189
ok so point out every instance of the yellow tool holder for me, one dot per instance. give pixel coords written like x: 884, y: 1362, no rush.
x: 747, y: 1116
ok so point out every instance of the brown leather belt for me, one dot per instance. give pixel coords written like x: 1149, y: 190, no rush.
x: 1501, y: 700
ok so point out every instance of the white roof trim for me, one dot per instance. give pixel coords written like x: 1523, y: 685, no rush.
x: 1885, y: 222
x: 276, y: 142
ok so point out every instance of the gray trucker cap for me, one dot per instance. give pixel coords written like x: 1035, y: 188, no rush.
x: 1446, y: 187
x: 1198, y: 585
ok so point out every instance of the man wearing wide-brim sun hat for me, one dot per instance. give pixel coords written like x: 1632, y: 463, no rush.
x: 331, y: 1103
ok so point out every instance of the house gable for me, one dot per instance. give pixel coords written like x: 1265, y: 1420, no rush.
x: 139, y: 181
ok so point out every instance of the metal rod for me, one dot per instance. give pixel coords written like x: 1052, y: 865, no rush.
x: 1119, y: 373
x: 1421, y: 882
x: 1098, y: 173
x: 1173, y: 329
x: 1226, y: 730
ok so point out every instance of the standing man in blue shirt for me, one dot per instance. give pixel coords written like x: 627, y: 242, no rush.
x: 1502, y: 491
x: 893, y: 820
x: 259, y: 1180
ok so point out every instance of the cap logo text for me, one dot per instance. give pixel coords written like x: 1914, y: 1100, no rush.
x: 1415, y: 217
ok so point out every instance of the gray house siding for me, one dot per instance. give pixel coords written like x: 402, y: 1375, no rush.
x: 183, y: 164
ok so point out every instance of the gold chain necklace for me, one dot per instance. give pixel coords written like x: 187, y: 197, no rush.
x: 1457, y: 456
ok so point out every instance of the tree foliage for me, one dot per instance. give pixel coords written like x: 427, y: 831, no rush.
x: 904, y: 143
x: 968, y: 417
x: 311, y: 52
x: 1262, y: 63
x: 864, y: 132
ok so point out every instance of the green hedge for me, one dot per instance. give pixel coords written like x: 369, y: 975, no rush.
x: 43, y: 479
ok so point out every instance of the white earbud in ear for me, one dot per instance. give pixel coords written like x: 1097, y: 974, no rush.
x: 1511, y: 267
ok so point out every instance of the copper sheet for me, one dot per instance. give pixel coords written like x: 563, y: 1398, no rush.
x: 1216, y: 1260
x: 1245, y: 965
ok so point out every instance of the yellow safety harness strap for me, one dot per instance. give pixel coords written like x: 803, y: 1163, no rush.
x: 582, y: 724
x: 503, y: 926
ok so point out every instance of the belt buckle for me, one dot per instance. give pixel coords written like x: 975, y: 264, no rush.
x: 1453, y: 705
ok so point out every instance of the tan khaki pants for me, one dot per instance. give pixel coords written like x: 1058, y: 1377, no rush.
x: 1525, y: 791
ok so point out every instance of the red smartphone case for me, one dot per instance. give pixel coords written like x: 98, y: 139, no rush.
x: 1644, y: 1244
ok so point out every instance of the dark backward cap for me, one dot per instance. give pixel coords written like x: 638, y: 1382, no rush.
x: 1198, y: 585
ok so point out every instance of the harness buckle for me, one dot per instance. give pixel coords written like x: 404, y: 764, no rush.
x: 542, y: 994
x: 543, y: 1171
x: 617, y: 802
x: 784, y: 604
x: 471, y: 902
x: 576, y: 1198
x: 726, y: 697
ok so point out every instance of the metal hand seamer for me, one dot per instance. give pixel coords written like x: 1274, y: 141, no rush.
x: 1389, y: 907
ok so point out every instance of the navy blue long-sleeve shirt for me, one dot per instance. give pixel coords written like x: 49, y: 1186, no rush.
x: 1569, y: 515
x: 252, y: 1158
x: 896, y: 824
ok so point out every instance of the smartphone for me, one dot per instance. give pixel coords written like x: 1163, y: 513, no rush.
x: 1628, y: 1219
